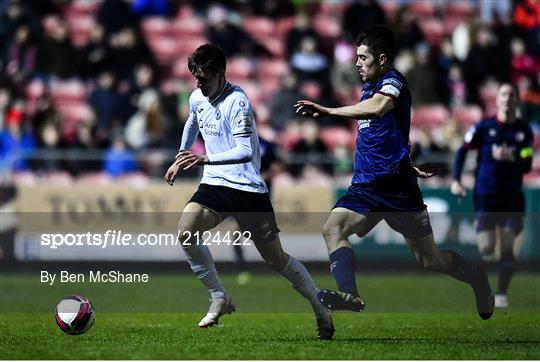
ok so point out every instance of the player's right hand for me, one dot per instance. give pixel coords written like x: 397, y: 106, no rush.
x: 308, y: 108
x: 457, y: 189
x: 171, y: 173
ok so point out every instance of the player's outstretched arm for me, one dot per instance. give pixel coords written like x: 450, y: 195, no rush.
x: 377, y: 106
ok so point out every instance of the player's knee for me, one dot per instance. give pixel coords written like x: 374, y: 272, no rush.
x: 332, y: 233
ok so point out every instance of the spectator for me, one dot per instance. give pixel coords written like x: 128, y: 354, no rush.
x: 281, y: 110
x: 361, y: 15
x: 84, y: 155
x: 105, y: 102
x: 422, y: 78
x: 144, y: 127
x: 344, y: 76
x: 529, y: 90
x: 408, y: 33
x: 273, y: 9
x: 57, y: 57
x: 128, y: 49
x: 456, y: 86
x: 16, y: 143
x: 522, y: 64
x: 309, y: 63
x: 49, y: 141
x: 301, y: 30
x: 20, y: 56
x: 479, y: 64
x: 96, y: 53
x: 115, y: 15
x: 310, y: 150
x: 232, y: 39
x: 118, y: 159
x: 15, y: 13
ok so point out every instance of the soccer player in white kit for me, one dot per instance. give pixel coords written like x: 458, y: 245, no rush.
x: 231, y: 186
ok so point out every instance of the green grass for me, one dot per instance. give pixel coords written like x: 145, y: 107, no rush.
x: 408, y: 316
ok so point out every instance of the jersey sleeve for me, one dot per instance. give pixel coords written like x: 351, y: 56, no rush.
x: 391, y: 87
x: 191, y: 127
x: 473, y: 137
x: 242, y: 118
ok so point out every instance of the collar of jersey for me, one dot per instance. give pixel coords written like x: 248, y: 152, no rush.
x: 225, y: 87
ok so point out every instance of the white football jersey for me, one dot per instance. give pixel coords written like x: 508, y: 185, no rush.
x: 230, y: 115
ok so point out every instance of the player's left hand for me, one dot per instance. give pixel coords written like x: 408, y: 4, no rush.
x: 425, y: 170
x: 187, y: 159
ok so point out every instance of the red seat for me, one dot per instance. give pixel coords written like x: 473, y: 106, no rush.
x: 274, y: 68
x: 68, y: 91
x: 258, y: 26
x: 164, y: 49
x: 180, y: 68
x: 82, y: 7
x: 422, y: 8
x: 239, y: 68
x: 431, y: 115
x: 467, y: 116
x: 187, y: 44
x: 283, y: 26
x: 327, y: 26
x: 192, y: 26
x: 155, y: 26
x: 433, y: 30
x: 80, y: 28
x: 337, y: 136
x: 290, y: 137
x: 459, y: 8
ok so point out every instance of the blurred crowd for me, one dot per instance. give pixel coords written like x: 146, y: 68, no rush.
x: 98, y: 89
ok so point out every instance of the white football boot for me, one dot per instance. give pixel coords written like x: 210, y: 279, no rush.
x: 501, y: 301
x: 218, y: 307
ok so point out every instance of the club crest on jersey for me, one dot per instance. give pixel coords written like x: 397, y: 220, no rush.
x: 218, y: 114
x: 520, y: 136
x: 364, y: 123
x: 242, y: 104
x: 492, y: 132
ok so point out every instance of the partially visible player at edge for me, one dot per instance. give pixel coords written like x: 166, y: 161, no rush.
x: 505, y: 151
x: 231, y: 185
x: 384, y: 184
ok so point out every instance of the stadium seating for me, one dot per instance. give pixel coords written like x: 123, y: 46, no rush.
x: 431, y: 116
x: 467, y: 116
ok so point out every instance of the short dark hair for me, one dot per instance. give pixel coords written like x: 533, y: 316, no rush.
x: 209, y: 58
x: 379, y: 39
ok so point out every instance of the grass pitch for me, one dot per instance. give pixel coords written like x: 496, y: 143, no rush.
x: 408, y: 316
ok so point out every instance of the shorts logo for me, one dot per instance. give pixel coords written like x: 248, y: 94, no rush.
x: 422, y: 217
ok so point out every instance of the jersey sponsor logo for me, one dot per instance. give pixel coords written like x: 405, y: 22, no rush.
x: 390, y: 89
x: 199, y: 110
x: 364, y: 123
x: 393, y: 81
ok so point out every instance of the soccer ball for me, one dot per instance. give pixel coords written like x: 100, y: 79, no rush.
x: 75, y: 314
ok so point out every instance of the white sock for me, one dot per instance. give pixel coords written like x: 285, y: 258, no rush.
x: 201, y: 262
x: 300, y: 280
